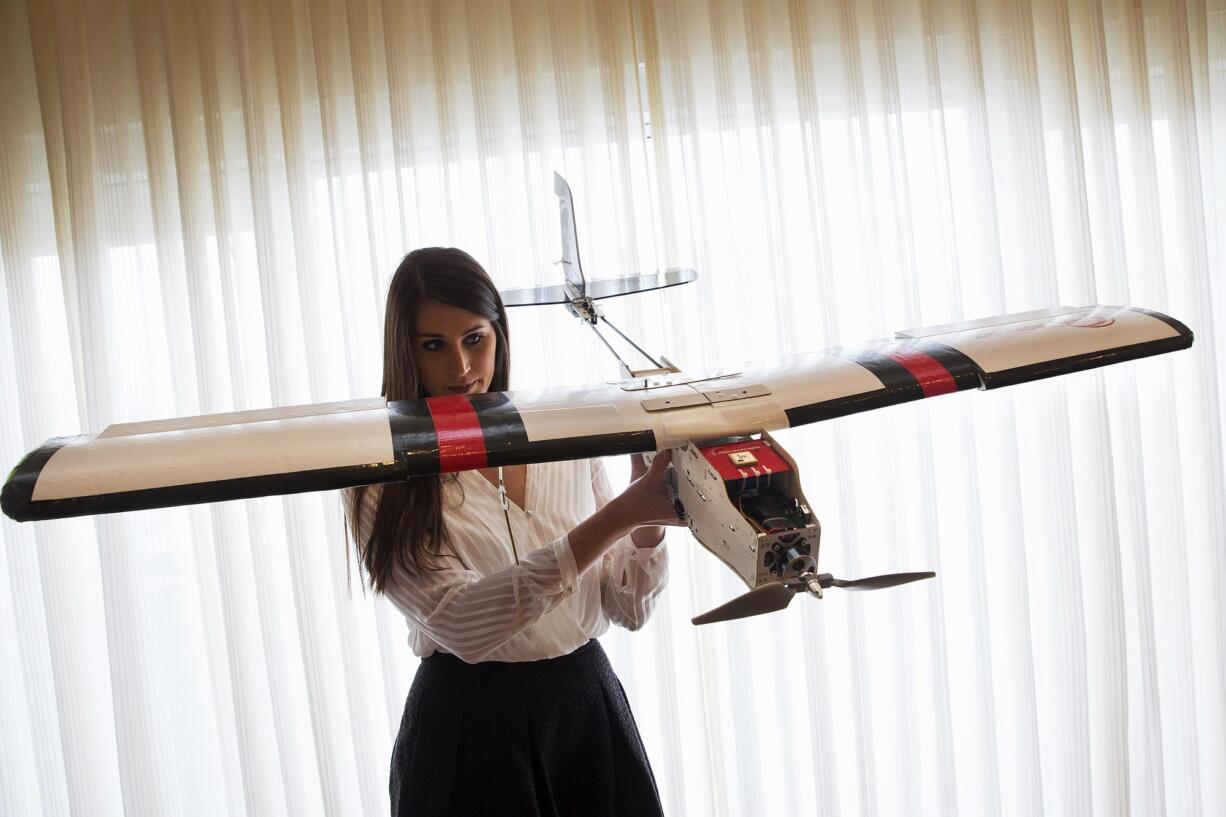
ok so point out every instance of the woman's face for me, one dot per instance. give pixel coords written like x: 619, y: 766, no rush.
x: 454, y: 350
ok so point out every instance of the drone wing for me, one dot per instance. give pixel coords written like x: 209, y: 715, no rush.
x: 327, y: 446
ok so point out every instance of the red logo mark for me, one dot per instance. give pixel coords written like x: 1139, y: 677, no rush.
x: 1090, y: 321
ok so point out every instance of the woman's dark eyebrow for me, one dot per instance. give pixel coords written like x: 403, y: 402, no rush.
x: 468, y: 331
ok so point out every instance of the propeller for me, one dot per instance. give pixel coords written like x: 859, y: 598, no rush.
x: 876, y: 582
x: 777, y: 595
x: 765, y: 599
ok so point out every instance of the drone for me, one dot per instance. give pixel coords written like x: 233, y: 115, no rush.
x: 736, y: 488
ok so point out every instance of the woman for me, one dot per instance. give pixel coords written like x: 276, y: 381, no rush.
x: 514, y: 709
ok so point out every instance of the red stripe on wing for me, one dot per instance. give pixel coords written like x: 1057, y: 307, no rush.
x: 461, y: 445
x: 929, y: 372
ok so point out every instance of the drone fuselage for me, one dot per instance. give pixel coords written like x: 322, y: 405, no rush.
x: 742, y: 500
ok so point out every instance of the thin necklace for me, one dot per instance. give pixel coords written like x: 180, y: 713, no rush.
x: 506, y: 514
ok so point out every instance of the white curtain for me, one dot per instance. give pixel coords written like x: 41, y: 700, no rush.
x: 201, y: 204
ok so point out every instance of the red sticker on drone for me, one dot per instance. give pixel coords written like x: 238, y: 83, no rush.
x: 461, y: 445
x: 929, y: 372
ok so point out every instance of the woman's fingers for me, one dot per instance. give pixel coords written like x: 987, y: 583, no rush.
x: 650, y: 497
x: 662, y: 459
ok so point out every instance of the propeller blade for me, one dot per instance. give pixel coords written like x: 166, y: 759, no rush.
x: 765, y: 599
x: 879, y: 582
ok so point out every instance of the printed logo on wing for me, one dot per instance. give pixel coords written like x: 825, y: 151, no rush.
x: 1090, y: 321
x: 1085, y: 320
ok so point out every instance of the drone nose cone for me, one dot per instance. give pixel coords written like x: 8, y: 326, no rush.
x: 814, y: 586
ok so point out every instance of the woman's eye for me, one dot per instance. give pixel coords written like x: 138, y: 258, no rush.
x: 432, y: 345
x: 474, y: 338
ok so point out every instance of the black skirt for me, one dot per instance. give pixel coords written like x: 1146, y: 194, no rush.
x: 551, y: 737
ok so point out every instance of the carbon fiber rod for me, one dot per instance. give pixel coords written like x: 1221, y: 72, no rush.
x: 610, y: 347
x: 659, y: 365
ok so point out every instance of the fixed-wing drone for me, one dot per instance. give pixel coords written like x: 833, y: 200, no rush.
x: 735, y: 486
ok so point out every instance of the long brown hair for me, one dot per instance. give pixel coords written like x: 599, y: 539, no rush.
x: 409, y: 529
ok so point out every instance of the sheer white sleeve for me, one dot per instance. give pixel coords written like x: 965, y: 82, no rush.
x: 630, y: 577
x: 470, y: 615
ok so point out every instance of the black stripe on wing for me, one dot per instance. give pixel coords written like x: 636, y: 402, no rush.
x: 414, y: 439
x: 965, y: 372
x: 504, y: 435
x: 592, y: 445
x: 899, y: 387
x: 323, y: 479
x: 501, y: 427
x: 507, y: 442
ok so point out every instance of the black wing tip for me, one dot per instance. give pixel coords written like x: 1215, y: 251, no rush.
x: 17, y: 495
x: 1185, y: 333
x: 15, y: 502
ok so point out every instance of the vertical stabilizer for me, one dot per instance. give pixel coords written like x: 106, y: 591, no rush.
x: 570, y: 242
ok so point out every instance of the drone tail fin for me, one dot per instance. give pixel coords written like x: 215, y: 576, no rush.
x: 570, y: 240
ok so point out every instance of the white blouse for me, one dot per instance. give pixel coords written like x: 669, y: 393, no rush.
x: 490, y: 609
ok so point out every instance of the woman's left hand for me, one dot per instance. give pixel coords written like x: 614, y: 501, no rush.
x: 653, y: 502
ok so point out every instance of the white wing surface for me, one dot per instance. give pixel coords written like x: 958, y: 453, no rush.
x: 321, y: 447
